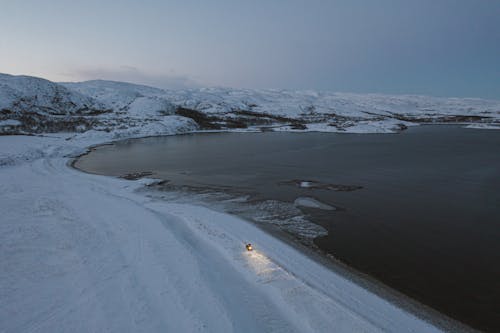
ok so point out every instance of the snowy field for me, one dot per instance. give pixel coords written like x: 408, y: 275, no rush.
x: 86, y: 253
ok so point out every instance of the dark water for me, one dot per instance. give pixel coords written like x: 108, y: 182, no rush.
x: 426, y: 222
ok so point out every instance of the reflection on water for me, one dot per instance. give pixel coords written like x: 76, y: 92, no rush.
x: 418, y: 210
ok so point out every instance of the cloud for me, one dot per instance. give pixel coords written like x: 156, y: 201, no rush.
x: 135, y: 75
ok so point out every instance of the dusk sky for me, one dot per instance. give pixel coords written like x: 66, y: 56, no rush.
x: 434, y: 47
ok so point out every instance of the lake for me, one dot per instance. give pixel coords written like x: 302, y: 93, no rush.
x: 418, y: 210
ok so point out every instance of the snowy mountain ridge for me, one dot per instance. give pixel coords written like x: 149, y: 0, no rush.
x: 120, y: 95
x: 34, y: 105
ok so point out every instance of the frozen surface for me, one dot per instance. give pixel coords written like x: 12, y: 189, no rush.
x: 484, y: 126
x: 312, y: 203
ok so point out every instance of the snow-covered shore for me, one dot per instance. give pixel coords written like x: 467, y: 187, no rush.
x: 84, y: 253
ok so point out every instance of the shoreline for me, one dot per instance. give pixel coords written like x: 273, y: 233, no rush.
x: 403, y: 301
x: 40, y: 189
x: 365, y: 281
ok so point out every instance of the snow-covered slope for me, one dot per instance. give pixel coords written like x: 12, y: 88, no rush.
x: 39, y: 105
x: 298, y: 104
x: 31, y: 94
x: 33, y: 105
x: 121, y: 96
x: 303, y: 110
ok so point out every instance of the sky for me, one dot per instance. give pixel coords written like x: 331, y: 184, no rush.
x: 432, y: 47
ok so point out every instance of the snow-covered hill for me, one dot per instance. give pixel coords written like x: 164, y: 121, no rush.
x: 303, y: 110
x: 120, y: 96
x: 31, y: 94
x: 298, y: 104
x: 34, y: 105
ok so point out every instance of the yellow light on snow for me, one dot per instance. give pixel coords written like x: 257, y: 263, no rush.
x: 249, y: 247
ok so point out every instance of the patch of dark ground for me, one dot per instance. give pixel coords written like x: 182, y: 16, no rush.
x: 52, y: 120
x: 35, y: 124
x: 442, y: 119
x: 237, y: 119
x: 216, y: 121
x: 247, y: 118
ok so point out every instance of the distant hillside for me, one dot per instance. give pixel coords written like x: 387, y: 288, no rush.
x: 34, y: 105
